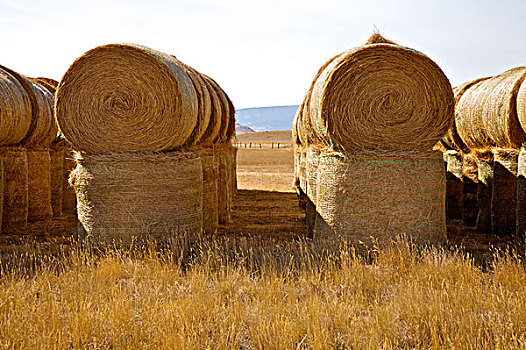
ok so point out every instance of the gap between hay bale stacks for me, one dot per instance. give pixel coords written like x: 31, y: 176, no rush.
x: 454, y: 185
x: 504, y: 195
x: 137, y: 197
x: 484, y: 191
x: 39, y: 188
x: 381, y: 198
x: 15, y: 206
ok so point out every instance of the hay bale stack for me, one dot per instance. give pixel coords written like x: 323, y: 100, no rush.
x: 484, y: 191
x: 380, y: 98
x: 134, y: 197
x: 126, y: 98
x: 15, y: 108
x: 486, y: 114
x: 15, y: 205
x: 223, y: 186
x: 69, y: 198
x: 521, y: 195
x: 58, y: 178
x: 454, y: 185
x: 358, y: 198
x: 39, y: 186
x: 504, y: 195
x: 469, y: 189
x: 311, y: 169
x: 1, y: 189
x: 210, y: 190
x: 45, y: 128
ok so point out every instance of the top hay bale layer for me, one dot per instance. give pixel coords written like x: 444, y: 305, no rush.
x: 380, y: 97
x: 486, y: 114
x: 126, y: 98
x: 15, y: 110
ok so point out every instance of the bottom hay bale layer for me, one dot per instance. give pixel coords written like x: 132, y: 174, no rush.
x: 381, y: 198
x: 311, y: 173
x: 57, y: 180
x: 69, y: 199
x: 469, y: 190
x: 15, y: 207
x: 484, y: 191
x: 223, y: 185
x: 521, y: 195
x: 1, y: 189
x: 504, y: 195
x: 139, y: 197
x: 454, y: 185
x: 39, y: 186
x: 210, y: 175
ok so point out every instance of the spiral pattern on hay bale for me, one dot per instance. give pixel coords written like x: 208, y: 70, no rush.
x: 486, y: 114
x: 380, y: 97
x: 39, y: 186
x: 139, y: 197
x: 15, y: 210
x: 358, y: 198
x: 126, y: 98
x: 15, y: 110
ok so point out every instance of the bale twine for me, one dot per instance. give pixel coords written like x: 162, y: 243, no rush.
x: 126, y: 98
x: 15, y: 110
x: 381, y: 97
x: 69, y: 198
x: 454, y: 185
x: 504, y: 196
x: 56, y: 172
x: 313, y: 157
x: 469, y: 192
x: 521, y: 195
x: 39, y: 186
x: 139, y: 197
x: 381, y: 198
x: 223, y: 191
x: 484, y: 191
x: 487, y: 114
x: 15, y: 206
x: 210, y: 177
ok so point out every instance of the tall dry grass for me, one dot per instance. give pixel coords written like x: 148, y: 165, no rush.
x: 252, y: 294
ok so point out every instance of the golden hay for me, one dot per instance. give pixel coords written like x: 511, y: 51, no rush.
x: 521, y: 195
x: 139, y: 197
x: 214, y: 125
x: 14, y: 216
x: 223, y: 186
x: 381, y: 198
x: 504, y: 195
x: 15, y: 110
x: 126, y: 98
x: 45, y: 128
x: 56, y: 171
x: 48, y: 83
x: 210, y: 178
x: 311, y: 171
x: 486, y: 114
x: 381, y: 97
x: 226, y: 108
x: 521, y: 105
x: 470, y: 186
x: 39, y: 186
x: 69, y: 199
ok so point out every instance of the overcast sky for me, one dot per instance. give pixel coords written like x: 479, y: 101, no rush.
x: 264, y: 53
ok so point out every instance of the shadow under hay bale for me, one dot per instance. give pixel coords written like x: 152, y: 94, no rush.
x: 39, y: 187
x: 454, y: 185
x: 368, y: 199
x: 139, y: 197
x: 521, y: 196
x: 504, y: 195
x: 469, y: 192
x: 484, y: 191
x: 15, y: 206
x: 210, y: 176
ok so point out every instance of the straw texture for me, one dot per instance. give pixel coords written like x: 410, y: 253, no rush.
x: 126, y: 98
x: 454, y: 185
x: 484, y: 191
x: 15, y: 110
x: 223, y: 185
x: 504, y: 196
x: 360, y: 198
x: 14, y: 216
x: 469, y: 189
x: 227, y: 119
x: 381, y: 97
x: 213, y: 129
x: 303, y: 170
x: 45, y: 128
x: 521, y: 195
x: 69, y: 199
x: 48, y: 83
x: 210, y: 176
x: 313, y: 158
x: 56, y: 171
x: 1, y: 190
x: 521, y: 105
x: 39, y: 186
x: 486, y: 114
x: 136, y: 197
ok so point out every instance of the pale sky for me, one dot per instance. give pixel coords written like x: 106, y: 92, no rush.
x: 264, y: 53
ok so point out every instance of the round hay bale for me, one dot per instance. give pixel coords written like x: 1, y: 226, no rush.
x: 381, y: 97
x: 223, y: 186
x: 214, y: 124
x: 15, y: 110
x: 224, y: 103
x: 521, y: 105
x: 1, y: 189
x: 469, y: 192
x: 56, y: 171
x: 39, y: 186
x: 454, y: 185
x: 139, y: 197
x: 313, y: 157
x: 126, y: 98
x: 45, y: 129
x: 521, y: 195
x: 484, y: 191
x: 210, y: 176
x: 48, y: 83
x: 294, y: 129
x: 15, y: 210
x: 69, y: 198
x: 504, y: 196
x: 303, y: 170
x: 360, y: 198
x: 486, y: 114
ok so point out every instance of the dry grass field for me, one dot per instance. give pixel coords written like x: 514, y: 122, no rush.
x: 258, y: 284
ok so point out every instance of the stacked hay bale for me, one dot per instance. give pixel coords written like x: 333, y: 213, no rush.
x: 488, y: 124
x: 521, y: 171
x: 374, y: 113
x: 150, y: 135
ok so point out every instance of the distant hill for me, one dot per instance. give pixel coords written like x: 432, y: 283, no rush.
x: 266, y: 136
x: 267, y: 118
x: 241, y: 129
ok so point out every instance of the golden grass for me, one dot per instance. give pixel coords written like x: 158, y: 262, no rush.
x: 228, y: 294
